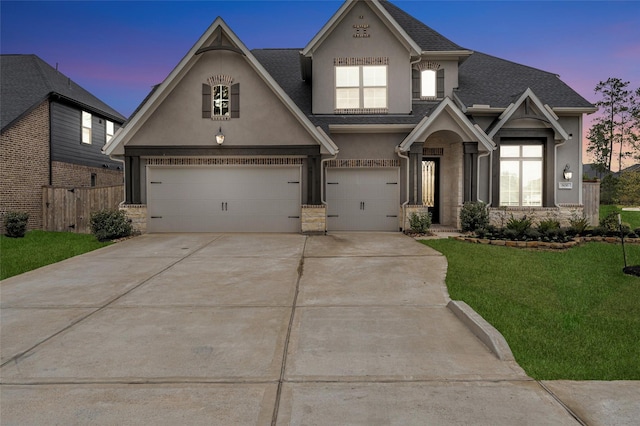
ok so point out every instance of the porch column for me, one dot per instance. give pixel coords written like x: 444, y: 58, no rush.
x: 470, y: 150
x: 132, y: 179
x: 415, y: 173
x: 313, y: 180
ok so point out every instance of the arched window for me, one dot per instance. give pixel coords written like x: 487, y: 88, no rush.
x: 428, y: 83
x: 220, y: 98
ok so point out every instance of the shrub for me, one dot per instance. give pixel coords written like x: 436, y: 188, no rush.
x: 519, y: 225
x: 578, y: 225
x: 628, y: 188
x: 474, y: 216
x: 547, y: 225
x: 610, y: 221
x: 420, y: 222
x: 15, y: 224
x: 609, y: 190
x: 110, y: 224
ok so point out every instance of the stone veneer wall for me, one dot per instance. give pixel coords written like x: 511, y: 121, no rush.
x: 499, y: 216
x: 408, y: 211
x: 137, y: 214
x: 314, y: 219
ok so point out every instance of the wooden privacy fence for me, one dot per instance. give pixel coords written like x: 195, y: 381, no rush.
x: 591, y: 201
x: 69, y: 209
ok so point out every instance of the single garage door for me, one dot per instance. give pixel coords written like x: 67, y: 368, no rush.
x: 223, y: 199
x: 362, y: 199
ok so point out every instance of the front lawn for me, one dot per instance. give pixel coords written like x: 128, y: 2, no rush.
x: 40, y: 248
x: 632, y: 218
x: 566, y: 315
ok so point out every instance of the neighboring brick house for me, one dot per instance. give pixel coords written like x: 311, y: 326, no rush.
x: 378, y: 116
x: 52, y: 133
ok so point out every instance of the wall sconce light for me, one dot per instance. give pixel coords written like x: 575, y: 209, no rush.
x: 567, y: 173
x: 220, y: 137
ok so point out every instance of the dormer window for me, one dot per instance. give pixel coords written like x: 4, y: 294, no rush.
x: 361, y: 85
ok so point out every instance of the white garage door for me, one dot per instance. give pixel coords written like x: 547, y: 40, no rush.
x: 362, y: 199
x: 223, y: 199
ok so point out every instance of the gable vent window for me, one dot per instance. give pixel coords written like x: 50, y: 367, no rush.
x: 86, y: 127
x: 220, y: 98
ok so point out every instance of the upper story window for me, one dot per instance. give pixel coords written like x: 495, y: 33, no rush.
x: 428, y: 81
x: 108, y: 131
x: 361, y: 86
x: 220, y: 98
x: 521, y: 175
x: 86, y: 127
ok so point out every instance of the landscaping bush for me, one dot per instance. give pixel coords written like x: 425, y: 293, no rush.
x: 578, y: 225
x: 15, y: 224
x: 110, y: 224
x: 519, y: 226
x: 420, y: 222
x: 474, y: 216
x: 610, y: 221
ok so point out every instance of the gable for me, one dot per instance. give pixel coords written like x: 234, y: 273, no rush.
x: 172, y: 114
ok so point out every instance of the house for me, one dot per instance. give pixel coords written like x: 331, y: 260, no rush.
x: 52, y: 133
x: 377, y: 117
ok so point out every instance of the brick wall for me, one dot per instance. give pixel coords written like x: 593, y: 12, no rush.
x: 24, y: 165
x: 75, y: 175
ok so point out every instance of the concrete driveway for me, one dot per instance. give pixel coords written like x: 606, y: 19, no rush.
x: 260, y: 329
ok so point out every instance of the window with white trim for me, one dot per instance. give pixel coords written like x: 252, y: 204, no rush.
x: 86, y: 127
x: 108, y: 130
x: 521, y: 168
x: 361, y: 87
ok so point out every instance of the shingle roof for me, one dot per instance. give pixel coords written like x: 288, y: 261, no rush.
x: 424, y: 36
x: 27, y: 80
x: 486, y: 80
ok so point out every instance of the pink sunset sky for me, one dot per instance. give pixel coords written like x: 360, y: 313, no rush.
x: 119, y: 49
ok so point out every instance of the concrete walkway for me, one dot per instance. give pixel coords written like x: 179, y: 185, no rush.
x: 256, y: 329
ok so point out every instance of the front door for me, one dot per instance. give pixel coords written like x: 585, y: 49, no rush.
x: 431, y: 187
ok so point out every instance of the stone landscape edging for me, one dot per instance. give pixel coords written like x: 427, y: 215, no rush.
x: 546, y: 245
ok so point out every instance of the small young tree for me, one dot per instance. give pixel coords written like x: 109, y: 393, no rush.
x: 617, y: 126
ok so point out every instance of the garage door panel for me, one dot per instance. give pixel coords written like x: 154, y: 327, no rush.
x: 362, y: 199
x: 224, y: 199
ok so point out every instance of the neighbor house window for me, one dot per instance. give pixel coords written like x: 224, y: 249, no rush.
x: 109, y: 131
x: 521, y: 175
x: 361, y: 87
x: 86, y: 127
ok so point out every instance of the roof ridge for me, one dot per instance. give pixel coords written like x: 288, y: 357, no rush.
x: 517, y: 63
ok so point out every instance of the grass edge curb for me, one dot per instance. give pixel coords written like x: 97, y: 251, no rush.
x: 484, y: 331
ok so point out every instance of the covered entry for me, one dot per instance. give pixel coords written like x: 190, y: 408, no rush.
x: 223, y: 199
x: 362, y: 199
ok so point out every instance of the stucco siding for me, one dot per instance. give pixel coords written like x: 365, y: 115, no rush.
x: 380, y: 42
x: 264, y: 119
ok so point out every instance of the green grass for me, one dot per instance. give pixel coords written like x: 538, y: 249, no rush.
x: 40, y: 248
x: 566, y: 315
x: 629, y: 217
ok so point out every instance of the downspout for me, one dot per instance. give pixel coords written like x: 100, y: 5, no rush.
x: 322, y: 185
x: 488, y: 153
x: 404, y: 205
x: 555, y: 175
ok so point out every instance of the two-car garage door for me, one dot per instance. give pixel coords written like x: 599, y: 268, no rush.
x: 223, y: 199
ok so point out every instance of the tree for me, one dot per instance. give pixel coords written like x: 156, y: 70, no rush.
x: 617, y: 126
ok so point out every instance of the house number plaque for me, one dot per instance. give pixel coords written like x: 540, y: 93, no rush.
x: 565, y: 185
